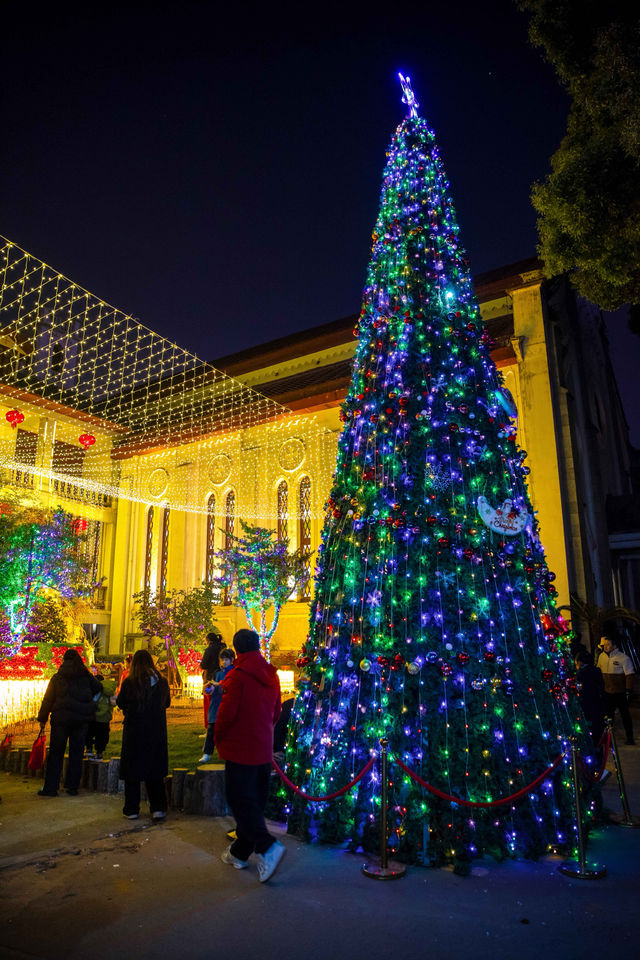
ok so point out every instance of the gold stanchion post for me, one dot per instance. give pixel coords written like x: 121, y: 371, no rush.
x: 627, y: 819
x: 387, y: 869
x: 580, y: 870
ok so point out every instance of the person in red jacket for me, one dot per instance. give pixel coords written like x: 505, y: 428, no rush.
x: 246, y: 717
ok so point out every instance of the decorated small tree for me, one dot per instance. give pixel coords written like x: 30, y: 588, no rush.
x: 261, y: 574
x: 46, y: 623
x: 433, y: 623
x: 175, y: 625
x: 39, y: 556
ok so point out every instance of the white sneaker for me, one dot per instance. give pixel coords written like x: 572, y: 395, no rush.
x: 228, y: 857
x: 205, y: 758
x: 158, y: 815
x: 268, y: 862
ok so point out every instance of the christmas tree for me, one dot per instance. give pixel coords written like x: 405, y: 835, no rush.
x: 433, y: 621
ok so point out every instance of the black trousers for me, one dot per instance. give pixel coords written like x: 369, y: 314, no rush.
x: 247, y: 789
x: 156, y: 793
x: 619, y: 701
x: 209, y: 739
x: 98, y: 734
x: 60, y: 734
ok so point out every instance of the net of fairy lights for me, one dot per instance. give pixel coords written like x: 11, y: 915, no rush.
x: 95, y: 406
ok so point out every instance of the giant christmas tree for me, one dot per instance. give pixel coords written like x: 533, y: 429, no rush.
x: 433, y: 620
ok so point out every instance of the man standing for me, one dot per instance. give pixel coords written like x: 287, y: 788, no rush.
x: 244, y: 737
x: 617, y: 672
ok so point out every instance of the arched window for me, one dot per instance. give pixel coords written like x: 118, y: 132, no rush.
x: 148, y: 551
x: 211, y: 539
x: 164, y: 554
x: 304, y: 538
x: 283, y: 510
x: 229, y: 527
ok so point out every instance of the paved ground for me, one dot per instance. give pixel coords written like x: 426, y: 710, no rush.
x: 80, y: 882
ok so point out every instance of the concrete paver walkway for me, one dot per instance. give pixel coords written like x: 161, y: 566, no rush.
x: 80, y: 882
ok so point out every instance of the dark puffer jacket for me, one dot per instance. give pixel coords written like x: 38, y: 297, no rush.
x: 69, y: 696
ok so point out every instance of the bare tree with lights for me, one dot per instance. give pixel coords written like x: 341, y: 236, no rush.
x: 261, y: 574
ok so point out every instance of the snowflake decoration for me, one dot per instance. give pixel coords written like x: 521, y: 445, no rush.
x: 437, y: 476
x: 446, y: 579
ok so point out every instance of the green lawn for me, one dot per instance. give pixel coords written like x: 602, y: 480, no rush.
x: 185, y: 745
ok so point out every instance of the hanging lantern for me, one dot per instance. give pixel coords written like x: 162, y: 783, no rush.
x: 14, y: 417
x: 87, y: 440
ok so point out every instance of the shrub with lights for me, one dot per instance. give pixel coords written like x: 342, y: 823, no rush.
x: 175, y: 624
x: 433, y: 621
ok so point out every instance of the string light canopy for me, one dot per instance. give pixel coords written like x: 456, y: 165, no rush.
x: 94, y: 398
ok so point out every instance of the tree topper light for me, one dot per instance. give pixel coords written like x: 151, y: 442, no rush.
x: 408, y: 96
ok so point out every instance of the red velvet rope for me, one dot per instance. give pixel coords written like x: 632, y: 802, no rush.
x: 477, y: 803
x: 605, y: 743
x: 329, y: 796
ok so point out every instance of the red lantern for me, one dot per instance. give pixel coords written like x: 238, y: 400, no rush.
x: 79, y: 525
x: 14, y: 417
x: 87, y: 440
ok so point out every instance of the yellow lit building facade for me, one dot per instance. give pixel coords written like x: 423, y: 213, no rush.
x: 180, y: 453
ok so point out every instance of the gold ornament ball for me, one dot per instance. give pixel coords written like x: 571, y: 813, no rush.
x: 365, y: 665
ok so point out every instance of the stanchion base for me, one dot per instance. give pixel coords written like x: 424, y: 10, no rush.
x: 592, y: 871
x: 621, y: 821
x: 392, y: 871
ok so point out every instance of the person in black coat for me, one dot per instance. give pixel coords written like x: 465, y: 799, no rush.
x: 591, y: 693
x: 69, y: 701
x: 144, y: 698
x: 210, y: 666
x: 210, y: 663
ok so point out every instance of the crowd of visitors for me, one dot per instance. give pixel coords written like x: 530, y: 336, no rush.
x: 243, y: 708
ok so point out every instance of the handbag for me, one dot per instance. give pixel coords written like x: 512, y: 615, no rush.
x: 36, y: 757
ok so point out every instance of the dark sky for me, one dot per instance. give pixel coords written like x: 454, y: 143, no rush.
x: 214, y: 168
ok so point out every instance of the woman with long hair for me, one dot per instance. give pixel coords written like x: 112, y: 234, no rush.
x: 69, y: 703
x: 144, y: 698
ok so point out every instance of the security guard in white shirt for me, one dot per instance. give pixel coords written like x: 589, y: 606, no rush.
x: 617, y: 672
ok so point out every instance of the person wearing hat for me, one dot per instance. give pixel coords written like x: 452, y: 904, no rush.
x: 69, y: 702
x: 248, y: 711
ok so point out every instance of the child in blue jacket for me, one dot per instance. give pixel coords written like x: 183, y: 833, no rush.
x: 213, y: 688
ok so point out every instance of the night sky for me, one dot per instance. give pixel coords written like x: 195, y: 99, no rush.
x: 214, y: 169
